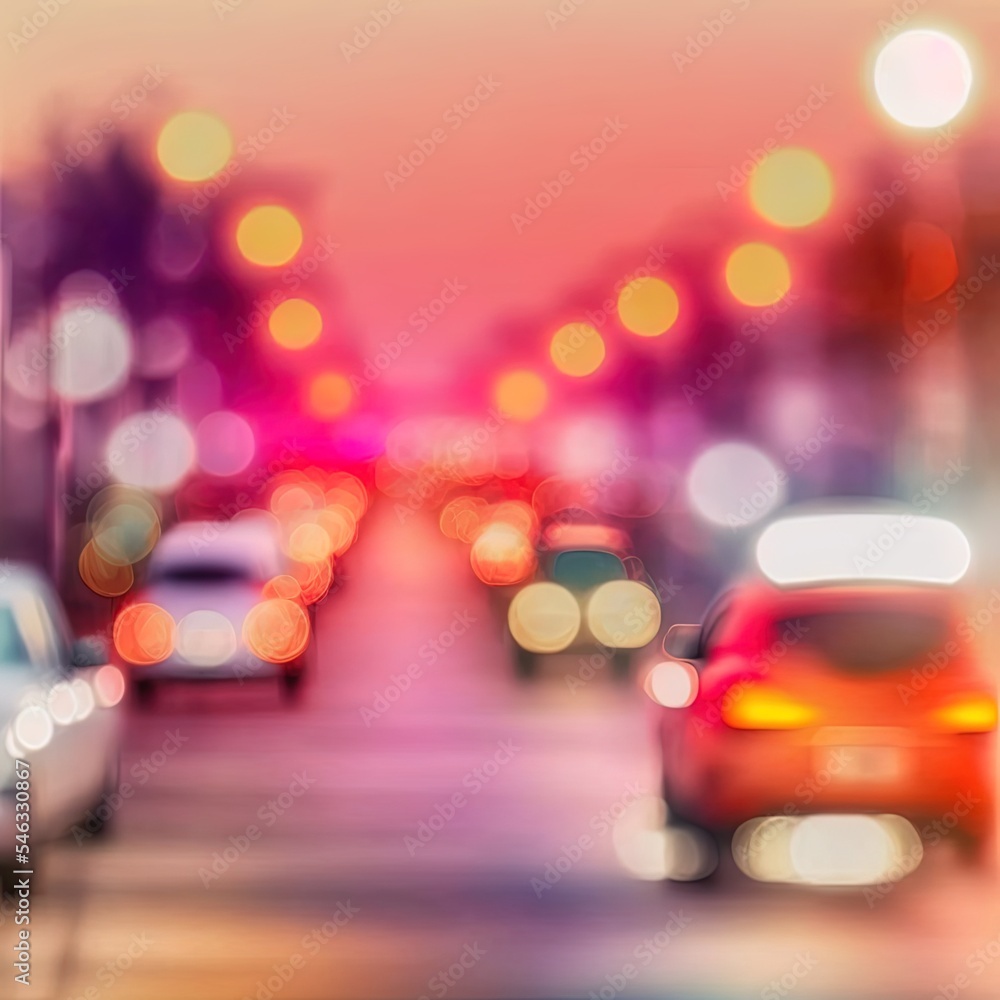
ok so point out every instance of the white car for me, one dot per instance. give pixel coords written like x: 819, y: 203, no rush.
x: 57, y: 716
x: 209, y: 610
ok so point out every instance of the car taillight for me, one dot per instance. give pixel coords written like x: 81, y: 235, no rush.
x: 144, y: 634
x: 759, y: 707
x: 976, y: 713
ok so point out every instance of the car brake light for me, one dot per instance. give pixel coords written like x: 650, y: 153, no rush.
x: 759, y: 707
x: 976, y: 713
x: 144, y: 634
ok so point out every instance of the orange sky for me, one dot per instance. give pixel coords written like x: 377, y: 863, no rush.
x: 681, y: 130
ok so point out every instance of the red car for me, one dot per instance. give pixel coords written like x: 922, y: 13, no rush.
x: 839, y: 697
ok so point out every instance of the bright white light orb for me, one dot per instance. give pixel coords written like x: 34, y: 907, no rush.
x: 845, y: 850
x: 85, y: 702
x: 734, y: 485
x: 61, y: 703
x: 91, y: 353
x: 33, y: 728
x: 672, y: 684
x: 206, y: 638
x: 153, y: 450
x: 923, y: 78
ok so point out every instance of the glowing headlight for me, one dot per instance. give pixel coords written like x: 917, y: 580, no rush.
x: 544, y: 618
x: 623, y: 614
x: 62, y: 703
x: 206, y: 638
x: 33, y: 727
x: 827, y: 849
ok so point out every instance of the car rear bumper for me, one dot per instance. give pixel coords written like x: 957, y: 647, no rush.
x: 240, y: 670
x: 738, y: 775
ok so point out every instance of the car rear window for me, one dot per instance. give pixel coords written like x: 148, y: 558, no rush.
x: 202, y: 573
x: 871, y: 640
x: 582, y: 569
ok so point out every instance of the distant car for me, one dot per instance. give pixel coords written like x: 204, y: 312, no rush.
x: 589, y: 594
x: 212, y: 608
x: 853, y: 696
x: 57, y: 715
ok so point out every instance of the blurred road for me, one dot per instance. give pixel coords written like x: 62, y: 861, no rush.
x: 353, y: 847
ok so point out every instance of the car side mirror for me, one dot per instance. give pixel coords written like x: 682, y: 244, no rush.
x: 683, y: 642
x: 89, y: 651
x: 634, y: 569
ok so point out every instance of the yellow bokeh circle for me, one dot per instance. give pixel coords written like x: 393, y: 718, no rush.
x: 521, y: 395
x: 295, y: 324
x: 269, y: 235
x: 577, y: 349
x: 792, y: 188
x: 194, y: 146
x: 758, y: 274
x: 648, y: 307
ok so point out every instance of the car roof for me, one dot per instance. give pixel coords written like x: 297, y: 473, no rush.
x: 561, y: 537
x: 757, y: 594
x: 245, y: 543
x: 16, y: 577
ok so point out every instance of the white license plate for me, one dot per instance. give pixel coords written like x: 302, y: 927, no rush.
x: 876, y: 764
